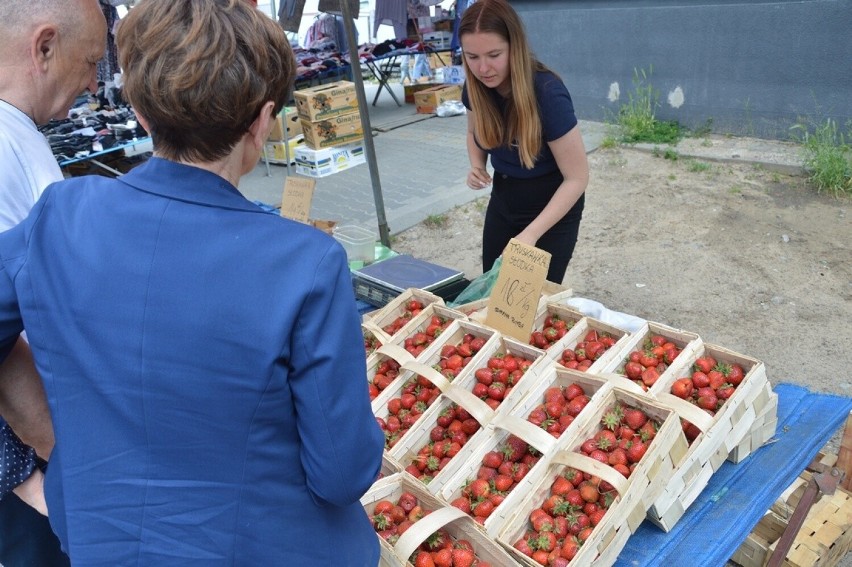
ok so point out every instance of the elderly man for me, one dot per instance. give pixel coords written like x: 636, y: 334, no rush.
x: 48, y: 57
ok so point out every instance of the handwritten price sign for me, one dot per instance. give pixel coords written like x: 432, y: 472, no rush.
x: 297, y: 197
x: 513, y: 301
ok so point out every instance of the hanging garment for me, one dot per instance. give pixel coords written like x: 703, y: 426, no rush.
x: 290, y: 14
x: 392, y: 12
x: 108, y: 66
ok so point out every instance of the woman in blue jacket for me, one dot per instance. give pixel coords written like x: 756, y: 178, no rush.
x: 202, y: 358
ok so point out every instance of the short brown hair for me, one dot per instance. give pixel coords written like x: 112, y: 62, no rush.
x: 199, y: 72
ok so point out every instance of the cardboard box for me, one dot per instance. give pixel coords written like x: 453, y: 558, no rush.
x: 428, y: 100
x: 290, y: 117
x: 411, y: 90
x: 334, y: 131
x: 326, y: 101
x: 276, y: 152
x: 443, y: 25
x: 320, y: 163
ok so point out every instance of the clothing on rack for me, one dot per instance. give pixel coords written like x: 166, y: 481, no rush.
x: 327, y: 27
x: 290, y: 14
x: 392, y: 12
x: 108, y: 66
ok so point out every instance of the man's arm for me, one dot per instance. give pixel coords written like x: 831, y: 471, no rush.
x: 23, y: 403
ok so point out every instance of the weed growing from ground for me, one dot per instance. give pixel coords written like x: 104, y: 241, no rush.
x: 637, y: 118
x: 827, y: 156
x: 436, y: 221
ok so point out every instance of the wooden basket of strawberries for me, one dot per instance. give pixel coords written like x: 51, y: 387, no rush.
x: 383, y: 368
x: 718, y: 397
x: 583, y: 509
x: 655, y: 351
x: 589, y: 345
x: 424, y: 328
x: 501, y: 466
x: 393, y: 317
x: 552, y: 322
x: 417, y: 529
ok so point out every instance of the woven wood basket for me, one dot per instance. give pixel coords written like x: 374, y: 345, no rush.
x: 458, y: 524
x: 635, y: 494
x: 377, y: 320
x: 721, y: 433
x: 578, y: 333
x: 687, y: 341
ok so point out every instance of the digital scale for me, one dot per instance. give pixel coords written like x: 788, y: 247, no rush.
x: 381, y: 282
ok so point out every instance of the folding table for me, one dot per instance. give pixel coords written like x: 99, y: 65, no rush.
x: 91, y: 157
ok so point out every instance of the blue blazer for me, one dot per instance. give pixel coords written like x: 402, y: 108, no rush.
x: 204, y: 367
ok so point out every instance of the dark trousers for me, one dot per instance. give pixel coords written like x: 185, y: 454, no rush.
x: 26, y: 539
x: 513, y: 205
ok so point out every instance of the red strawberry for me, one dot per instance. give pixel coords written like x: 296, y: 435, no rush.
x: 634, y: 418
x: 463, y: 558
x: 515, y: 448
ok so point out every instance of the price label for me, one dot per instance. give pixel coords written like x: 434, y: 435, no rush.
x: 514, y: 297
x: 297, y: 197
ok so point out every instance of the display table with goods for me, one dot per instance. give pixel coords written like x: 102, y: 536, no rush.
x: 556, y: 450
x: 89, y: 134
x: 383, y: 67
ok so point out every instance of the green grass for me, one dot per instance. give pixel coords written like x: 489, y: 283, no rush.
x: 436, y: 221
x: 637, y: 118
x: 696, y: 166
x: 609, y: 142
x: 827, y: 157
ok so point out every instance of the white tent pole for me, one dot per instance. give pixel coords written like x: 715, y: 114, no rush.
x: 355, y: 65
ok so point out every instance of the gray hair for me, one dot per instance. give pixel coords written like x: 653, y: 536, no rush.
x: 17, y: 16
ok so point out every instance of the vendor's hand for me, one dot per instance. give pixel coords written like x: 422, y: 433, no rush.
x: 31, y: 492
x: 478, y: 178
x: 527, y: 238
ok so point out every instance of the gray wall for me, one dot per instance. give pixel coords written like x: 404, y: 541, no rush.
x: 752, y: 68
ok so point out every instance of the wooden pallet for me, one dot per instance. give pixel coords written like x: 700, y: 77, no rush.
x: 826, y: 534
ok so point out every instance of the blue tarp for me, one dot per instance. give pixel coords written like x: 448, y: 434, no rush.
x: 738, y: 495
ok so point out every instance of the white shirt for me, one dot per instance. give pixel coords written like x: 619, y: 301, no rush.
x: 27, y: 165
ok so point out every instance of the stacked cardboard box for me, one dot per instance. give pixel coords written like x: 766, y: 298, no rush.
x: 320, y: 163
x: 329, y: 114
x: 286, y: 125
x: 285, y: 137
x: 411, y: 90
x: 428, y: 100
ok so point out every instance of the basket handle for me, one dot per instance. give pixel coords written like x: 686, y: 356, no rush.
x: 423, y: 528
x: 693, y: 414
x: 396, y: 352
x: 587, y: 464
x: 532, y: 434
x: 427, y: 372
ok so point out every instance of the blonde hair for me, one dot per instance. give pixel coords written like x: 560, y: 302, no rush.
x: 520, y: 122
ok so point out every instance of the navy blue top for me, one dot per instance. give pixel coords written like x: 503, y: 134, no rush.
x: 17, y: 461
x: 204, y: 366
x: 556, y: 111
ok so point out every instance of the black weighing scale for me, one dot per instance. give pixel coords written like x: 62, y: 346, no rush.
x: 381, y: 282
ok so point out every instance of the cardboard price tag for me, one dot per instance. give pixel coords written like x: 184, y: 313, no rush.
x: 297, y: 197
x: 514, y: 297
